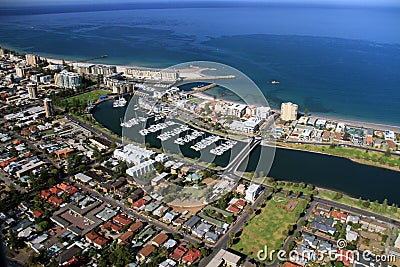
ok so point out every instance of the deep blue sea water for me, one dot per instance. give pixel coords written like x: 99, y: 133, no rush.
x: 339, y: 62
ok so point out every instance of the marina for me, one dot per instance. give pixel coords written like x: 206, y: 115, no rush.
x: 133, y: 122
x: 167, y: 135
x: 221, y: 149
x: 157, y: 127
x: 289, y: 165
x: 205, y: 142
x: 189, y: 137
x: 119, y: 102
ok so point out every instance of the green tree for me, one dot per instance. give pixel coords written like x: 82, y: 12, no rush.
x: 387, y: 152
x: 42, y: 226
x: 159, y: 167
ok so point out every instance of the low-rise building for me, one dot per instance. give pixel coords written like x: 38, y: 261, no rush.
x: 252, y: 192
x: 225, y: 258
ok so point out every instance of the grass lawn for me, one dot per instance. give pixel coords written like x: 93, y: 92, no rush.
x: 268, y: 228
x: 359, y: 155
x: 85, y: 97
x: 291, y: 186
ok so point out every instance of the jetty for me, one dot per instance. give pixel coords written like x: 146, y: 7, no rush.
x: 202, y: 88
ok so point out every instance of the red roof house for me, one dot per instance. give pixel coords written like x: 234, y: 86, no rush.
x: 55, y: 190
x: 233, y: 208
x: 45, y: 194
x: 240, y: 204
x: 139, y: 203
x: 123, y: 220
x: 112, y: 226
x: 38, y: 213
x: 55, y: 200
x: 339, y: 215
x: 191, y: 256
x: 100, y: 242
x: 91, y: 236
x: 178, y: 253
x: 345, y: 256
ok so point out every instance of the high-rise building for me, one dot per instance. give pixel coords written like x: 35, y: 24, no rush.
x: 32, y: 90
x: 66, y: 79
x: 21, y: 71
x: 48, y: 107
x: 103, y: 70
x: 289, y: 111
x: 32, y: 60
x: 152, y: 74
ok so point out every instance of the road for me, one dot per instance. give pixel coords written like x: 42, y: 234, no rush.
x: 93, y: 129
x: 357, y: 210
x: 222, y: 242
x: 338, y: 145
x: 138, y: 215
x: 8, y: 182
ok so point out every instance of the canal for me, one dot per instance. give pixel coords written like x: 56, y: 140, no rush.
x: 325, y: 171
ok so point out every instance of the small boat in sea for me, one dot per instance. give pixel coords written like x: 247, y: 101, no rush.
x: 275, y: 82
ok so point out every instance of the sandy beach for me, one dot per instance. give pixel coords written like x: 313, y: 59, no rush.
x: 196, y: 72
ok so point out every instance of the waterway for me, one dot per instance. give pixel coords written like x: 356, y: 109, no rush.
x: 325, y: 171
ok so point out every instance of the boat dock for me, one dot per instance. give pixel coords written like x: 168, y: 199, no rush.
x: 132, y: 122
x: 167, y: 135
x: 221, y: 149
x: 189, y: 137
x: 156, y: 127
x: 205, y: 142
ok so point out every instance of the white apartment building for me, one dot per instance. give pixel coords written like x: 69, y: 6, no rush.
x: 263, y: 112
x: 132, y: 154
x: 152, y: 74
x: 141, y: 168
x: 249, y: 126
x: 252, y: 192
x: 66, y: 79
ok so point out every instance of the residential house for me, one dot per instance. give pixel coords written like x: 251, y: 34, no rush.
x: 178, y: 253
x: 138, y: 193
x: 191, y: 256
x: 125, y: 237
x: 323, y: 224
x: 159, y: 239
x: 145, y: 252
x: 225, y: 258
x: 191, y: 222
x: 122, y: 220
x: 136, y: 227
x: 352, y: 218
x: 339, y: 215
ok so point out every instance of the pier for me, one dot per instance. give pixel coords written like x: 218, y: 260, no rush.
x: 202, y: 88
x: 205, y: 142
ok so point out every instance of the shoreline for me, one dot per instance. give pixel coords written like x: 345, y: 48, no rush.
x: 279, y: 145
x: 196, y: 72
x: 356, y: 123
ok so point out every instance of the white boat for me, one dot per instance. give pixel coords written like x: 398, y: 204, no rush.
x: 221, y: 149
x: 120, y: 102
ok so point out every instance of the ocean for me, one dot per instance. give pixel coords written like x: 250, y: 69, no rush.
x: 335, y: 61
